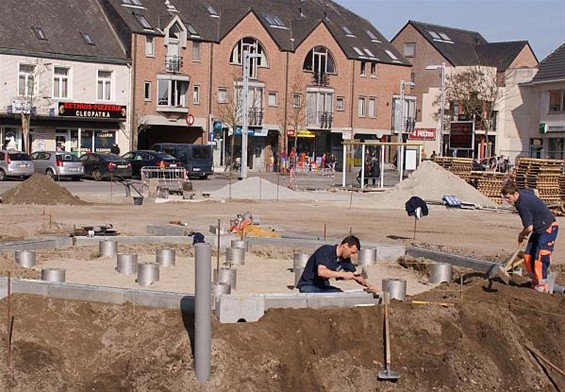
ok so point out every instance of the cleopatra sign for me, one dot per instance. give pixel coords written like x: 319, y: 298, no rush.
x: 92, y: 110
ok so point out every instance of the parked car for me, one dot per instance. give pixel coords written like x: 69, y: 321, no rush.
x: 57, y: 164
x: 198, y: 159
x: 142, y: 158
x: 105, y: 165
x: 15, y: 164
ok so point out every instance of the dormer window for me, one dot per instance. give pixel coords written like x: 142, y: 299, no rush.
x: 39, y: 33
x: 213, y: 13
x: 87, y: 38
x: 347, y: 32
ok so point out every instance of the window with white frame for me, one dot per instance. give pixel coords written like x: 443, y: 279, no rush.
x: 556, y: 101
x: 61, y: 82
x: 196, y: 94
x: 273, y: 98
x: 340, y: 104
x: 296, y: 101
x: 362, y: 106
x: 172, y: 92
x: 252, y: 46
x: 149, y: 46
x: 222, y: 95
x: 319, y: 60
x: 196, y: 51
x: 373, y: 70
x: 363, y: 68
x: 147, y: 91
x: 319, y: 109
x: 104, y: 85
x: 26, y: 80
x: 409, y: 49
x: 372, y: 110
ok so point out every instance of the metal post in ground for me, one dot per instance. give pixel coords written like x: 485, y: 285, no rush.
x: 202, y: 312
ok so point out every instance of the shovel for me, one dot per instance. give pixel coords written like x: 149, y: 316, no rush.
x: 501, y: 271
x: 387, y: 373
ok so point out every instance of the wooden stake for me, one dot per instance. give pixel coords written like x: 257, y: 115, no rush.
x: 324, y: 231
x: 218, y: 254
x: 537, y: 354
x: 10, y: 323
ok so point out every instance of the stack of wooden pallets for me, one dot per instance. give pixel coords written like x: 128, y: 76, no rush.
x: 488, y: 183
x: 545, y: 175
x: 459, y: 166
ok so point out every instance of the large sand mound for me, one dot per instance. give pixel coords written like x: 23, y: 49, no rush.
x: 431, y: 182
x: 40, y: 190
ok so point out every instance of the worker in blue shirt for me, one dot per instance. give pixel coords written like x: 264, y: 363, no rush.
x: 332, y: 261
x: 539, y: 223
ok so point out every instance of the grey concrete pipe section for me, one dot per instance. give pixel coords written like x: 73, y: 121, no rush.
x: 441, y: 272
x: 126, y: 264
x: 226, y: 275
x: 299, y: 260
x: 107, y: 248
x: 165, y: 257
x: 235, y: 255
x: 297, y: 275
x: 396, y: 288
x: 53, y: 275
x: 202, y: 312
x: 25, y: 258
x: 240, y: 244
x: 147, y: 273
x: 367, y: 256
x: 559, y: 289
x: 219, y: 288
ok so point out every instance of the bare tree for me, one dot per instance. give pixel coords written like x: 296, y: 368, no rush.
x: 295, y: 104
x: 230, y: 110
x: 475, y: 90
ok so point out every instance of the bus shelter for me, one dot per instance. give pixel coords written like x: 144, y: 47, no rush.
x: 405, y: 159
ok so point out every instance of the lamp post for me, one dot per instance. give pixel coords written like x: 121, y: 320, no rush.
x: 245, y: 115
x: 441, y: 67
x: 400, y: 154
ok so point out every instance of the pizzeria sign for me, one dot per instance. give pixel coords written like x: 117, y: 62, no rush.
x: 422, y: 134
x: 92, y: 110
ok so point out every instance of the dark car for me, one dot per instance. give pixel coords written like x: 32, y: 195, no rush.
x: 104, y: 165
x: 143, y: 158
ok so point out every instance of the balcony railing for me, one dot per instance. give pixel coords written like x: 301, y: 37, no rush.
x: 321, y: 79
x: 255, y: 117
x: 173, y: 63
x: 321, y: 120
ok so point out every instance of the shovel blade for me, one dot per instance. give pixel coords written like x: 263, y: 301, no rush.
x: 388, y: 374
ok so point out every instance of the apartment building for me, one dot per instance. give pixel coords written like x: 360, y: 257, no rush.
x: 317, y: 74
x: 439, y: 53
x: 65, y: 78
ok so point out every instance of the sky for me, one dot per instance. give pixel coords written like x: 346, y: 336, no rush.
x: 540, y: 22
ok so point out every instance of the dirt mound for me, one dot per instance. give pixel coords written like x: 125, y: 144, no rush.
x: 431, y: 182
x: 41, y: 190
x: 477, y: 344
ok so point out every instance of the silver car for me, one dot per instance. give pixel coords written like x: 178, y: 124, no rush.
x: 57, y: 164
x: 15, y: 164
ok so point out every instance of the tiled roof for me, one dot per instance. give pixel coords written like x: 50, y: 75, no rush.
x: 297, y: 19
x: 55, y: 29
x: 500, y: 54
x: 552, y: 68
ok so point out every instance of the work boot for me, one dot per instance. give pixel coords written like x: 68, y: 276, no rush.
x: 540, y: 287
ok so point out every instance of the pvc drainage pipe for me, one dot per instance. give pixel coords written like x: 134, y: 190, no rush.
x: 297, y: 275
x: 367, y: 256
x: 202, y: 313
x: 235, y: 255
x: 240, y: 244
x: 126, y: 264
x: 25, y: 258
x: 107, y: 248
x: 165, y: 257
x: 441, y: 272
x: 300, y: 260
x: 228, y: 276
x: 396, y: 288
x: 147, y: 273
x: 53, y: 275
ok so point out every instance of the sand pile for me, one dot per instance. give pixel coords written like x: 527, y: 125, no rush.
x: 42, y: 190
x: 431, y: 182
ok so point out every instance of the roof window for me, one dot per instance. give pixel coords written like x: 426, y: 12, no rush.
x: 39, y: 33
x: 358, y: 51
x: 142, y: 21
x: 213, y: 13
x: 369, y: 52
x: 87, y: 38
x: 274, y: 20
x: 372, y: 36
x: 192, y: 30
x: 347, y: 31
x: 434, y: 35
x: 391, y: 55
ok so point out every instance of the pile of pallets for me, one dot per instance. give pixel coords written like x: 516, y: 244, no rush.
x: 545, y: 175
x: 488, y: 183
x: 459, y: 166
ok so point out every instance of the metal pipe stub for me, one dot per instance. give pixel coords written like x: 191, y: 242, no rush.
x: 240, y: 244
x: 107, y: 248
x: 53, y: 275
x: 147, y: 273
x: 235, y: 255
x: 299, y: 260
x: 226, y: 275
x: 25, y: 258
x: 440, y: 272
x: 297, y: 275
x: 396, y: 288
x: 126, y: 264
x: 367, y: 256
x: 165, y: 257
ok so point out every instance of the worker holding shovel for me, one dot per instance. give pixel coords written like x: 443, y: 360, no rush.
x: 332, y: 261
x: 539, y: 223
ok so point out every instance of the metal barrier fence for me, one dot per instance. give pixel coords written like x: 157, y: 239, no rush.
x: 299, y: 179
x: 171, y: 178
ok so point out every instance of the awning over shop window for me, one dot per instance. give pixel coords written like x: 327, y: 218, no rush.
x: 301, y: 133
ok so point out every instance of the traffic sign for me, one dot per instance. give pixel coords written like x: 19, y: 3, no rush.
x: 190, y: 119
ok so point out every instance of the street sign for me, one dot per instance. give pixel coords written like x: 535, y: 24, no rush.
x: 422, y: 134
x: 189, y: 119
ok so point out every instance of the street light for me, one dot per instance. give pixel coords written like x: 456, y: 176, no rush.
x: 400, y: 154
x: 245, y: 116
x: 442, y: 102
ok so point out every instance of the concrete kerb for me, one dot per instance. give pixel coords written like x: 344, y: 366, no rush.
x: 48, y: 243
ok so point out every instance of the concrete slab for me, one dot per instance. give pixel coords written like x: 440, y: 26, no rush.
x: 167, y: 230
x: 48, y: 243
x: 236, y: 308
x: 389, y: 252
x: 137, y: 239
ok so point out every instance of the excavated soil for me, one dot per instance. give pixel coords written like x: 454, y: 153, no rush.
x: 41, y: 190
